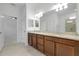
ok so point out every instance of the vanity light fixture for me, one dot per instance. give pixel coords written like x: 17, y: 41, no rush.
x: 38, y: 15
x: 73, y: 17
x: 60, y: 6
x: 69, y: 21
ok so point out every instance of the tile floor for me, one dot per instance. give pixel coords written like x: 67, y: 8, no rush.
x: 20, y: 50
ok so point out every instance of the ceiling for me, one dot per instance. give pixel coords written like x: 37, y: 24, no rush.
x: 11, y: 9
x: 13, y: 4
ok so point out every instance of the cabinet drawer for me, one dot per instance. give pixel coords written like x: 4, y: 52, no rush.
x: 33, y: 35
x: 40, y: 48
x: 58, y: 40
x: 68, y: 41
x: 49, y: 38
x: 40, y: 36
x: 48, y: 43
x: 65, y: 41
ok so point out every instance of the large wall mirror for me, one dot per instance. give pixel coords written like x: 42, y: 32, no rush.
x: 33, y: 24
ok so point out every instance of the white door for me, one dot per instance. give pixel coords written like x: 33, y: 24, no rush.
x: 10, y: 30
x: 1, y: 34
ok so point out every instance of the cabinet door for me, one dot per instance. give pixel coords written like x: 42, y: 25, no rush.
x: 40, y: 43
x: 40, y: 39
x: 40, y: 47
x: 49, y: 47
x: 64, y: 50
x: 34, y: 40
x: 29, y: 39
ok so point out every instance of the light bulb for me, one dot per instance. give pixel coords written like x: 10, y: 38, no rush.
x: 38, y: 15
x: 65, y: 5
x: 73, y: 17
x: 60, y: 8
x: 57, y: 8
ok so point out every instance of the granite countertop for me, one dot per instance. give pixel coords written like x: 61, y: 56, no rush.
x: 68, y: 36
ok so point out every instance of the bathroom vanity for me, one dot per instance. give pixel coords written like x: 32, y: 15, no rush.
x: 53, y: 44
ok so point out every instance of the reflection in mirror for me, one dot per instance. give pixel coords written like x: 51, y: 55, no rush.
x: 70, y: 26
x: 36, y: 23
x: 67, y: 19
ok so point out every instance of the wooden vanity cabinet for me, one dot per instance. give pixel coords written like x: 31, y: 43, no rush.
x: 54, y: 46
x: 49, y: 46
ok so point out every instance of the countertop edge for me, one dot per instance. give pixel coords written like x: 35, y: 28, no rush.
x: 71, y: 37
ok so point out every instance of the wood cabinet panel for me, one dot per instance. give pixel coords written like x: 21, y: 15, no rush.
x: 40, y: 43
x: 40, y: 47
x: 49, y: 47
x: 29, y: 39
x: 34, y: 40
x: 64, y: 50
x: 40, y: 39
